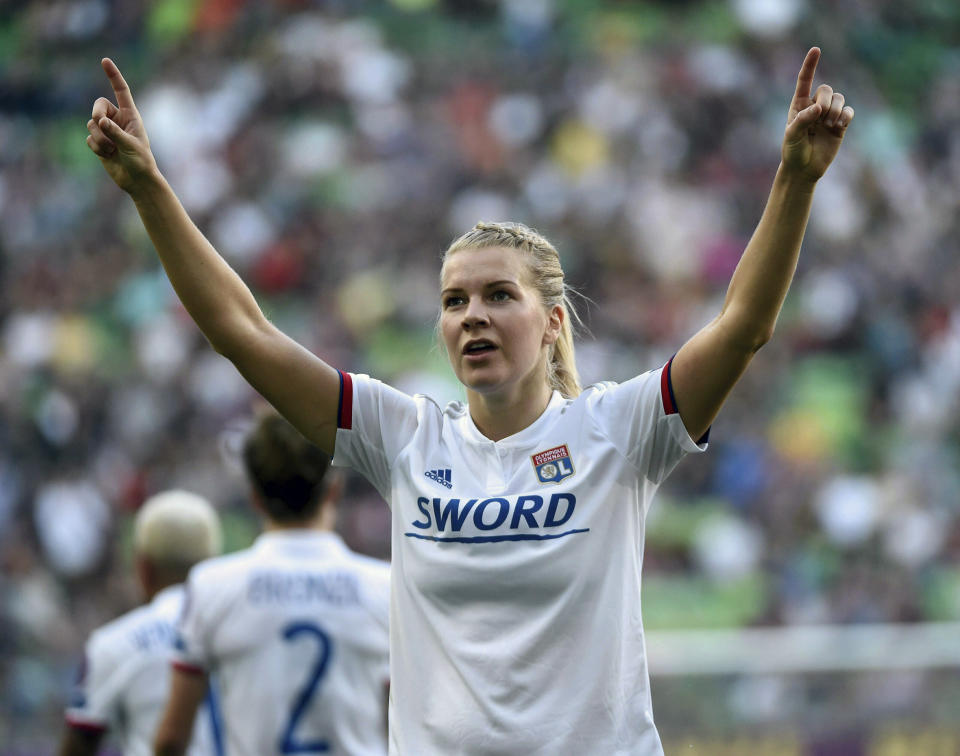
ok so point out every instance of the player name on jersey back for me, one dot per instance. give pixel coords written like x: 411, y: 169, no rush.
x: 275, y: 587
x: 159, y: 634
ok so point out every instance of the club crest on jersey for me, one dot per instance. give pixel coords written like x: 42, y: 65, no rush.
x: 553, y: 465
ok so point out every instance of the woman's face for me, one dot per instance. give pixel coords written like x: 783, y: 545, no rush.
x: 493, y: 324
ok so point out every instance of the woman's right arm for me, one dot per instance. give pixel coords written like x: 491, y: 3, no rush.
x: 300, y: 385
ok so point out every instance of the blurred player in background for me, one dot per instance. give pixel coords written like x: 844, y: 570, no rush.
x: 125, y: 678
x: 295, y: 627
x: 518, y: 517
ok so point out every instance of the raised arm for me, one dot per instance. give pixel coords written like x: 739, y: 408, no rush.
x: 301, y: 386
x: 708, y: 366
x: 175, y: 729
x: 77, y: 741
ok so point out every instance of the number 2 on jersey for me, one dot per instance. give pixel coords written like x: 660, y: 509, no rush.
x: 288, y: 742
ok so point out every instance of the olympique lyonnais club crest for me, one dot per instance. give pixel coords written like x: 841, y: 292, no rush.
x: 553, y: 465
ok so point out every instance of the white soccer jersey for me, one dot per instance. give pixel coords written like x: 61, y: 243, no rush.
x: 125, y: 679
x: 296, y: 629
x: 515, y: 603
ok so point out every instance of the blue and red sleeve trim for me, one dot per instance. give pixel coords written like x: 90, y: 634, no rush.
x: 91, y: 727
x: 666, y: 390
x: 190, y: 669
x: 670, y: 401
x: 345, y: 408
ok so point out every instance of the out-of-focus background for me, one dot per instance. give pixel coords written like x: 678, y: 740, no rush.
x: 331, y: 149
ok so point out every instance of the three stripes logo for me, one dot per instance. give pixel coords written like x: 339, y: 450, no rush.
x: 441, y: 476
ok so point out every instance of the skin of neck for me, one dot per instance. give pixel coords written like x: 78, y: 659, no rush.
x: 153, y: 578
x: 500, y: 414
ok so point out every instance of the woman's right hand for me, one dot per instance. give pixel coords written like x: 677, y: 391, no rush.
x: 117, y: 135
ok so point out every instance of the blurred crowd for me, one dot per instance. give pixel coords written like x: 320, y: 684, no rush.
x: 330, y: 150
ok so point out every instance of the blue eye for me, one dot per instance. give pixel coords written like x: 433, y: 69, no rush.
x: 452, y: 301
x: 500, y: 295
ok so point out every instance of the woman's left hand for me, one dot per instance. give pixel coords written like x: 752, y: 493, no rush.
x: 815, y: 125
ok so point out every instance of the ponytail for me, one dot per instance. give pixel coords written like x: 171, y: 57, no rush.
x: 562, y: 372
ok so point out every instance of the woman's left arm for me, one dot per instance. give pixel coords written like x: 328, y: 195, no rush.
x: 708, y: 366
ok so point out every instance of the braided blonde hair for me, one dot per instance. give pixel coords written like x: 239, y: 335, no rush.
x: 546, y: 275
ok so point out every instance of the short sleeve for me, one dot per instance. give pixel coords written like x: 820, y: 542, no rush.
x: 96, y: 695
x: 640, y: 418
x: 375, y: 422
x: 191, y: 648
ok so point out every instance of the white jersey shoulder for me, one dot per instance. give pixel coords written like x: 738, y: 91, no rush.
x: 296, y: 629
x: 124, y: 681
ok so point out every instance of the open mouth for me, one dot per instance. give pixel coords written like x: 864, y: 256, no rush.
x: 478, y: 347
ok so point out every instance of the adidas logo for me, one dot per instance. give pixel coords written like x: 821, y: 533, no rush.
x: 441, y: 476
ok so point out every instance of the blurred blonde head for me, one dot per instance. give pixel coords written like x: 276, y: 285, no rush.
x: 546, y: 276
x: 176, y: 529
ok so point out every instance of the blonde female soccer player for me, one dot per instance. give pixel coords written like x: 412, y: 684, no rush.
x: 518, y: 517
x: 125, y: 678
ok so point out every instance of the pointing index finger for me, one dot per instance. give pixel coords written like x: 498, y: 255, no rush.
x: 119, y: 84
x: 805, y: 77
